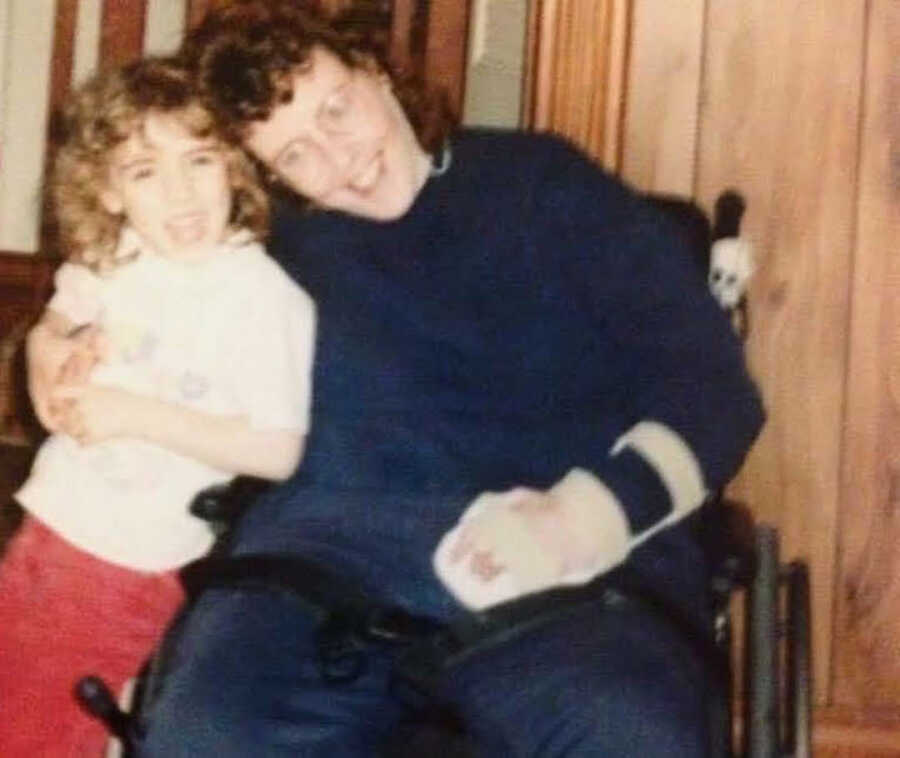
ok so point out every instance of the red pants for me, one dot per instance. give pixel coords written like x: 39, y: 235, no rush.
x: 65, y: 614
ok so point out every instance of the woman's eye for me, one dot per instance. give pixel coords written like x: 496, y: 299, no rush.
x: 290, y: 158
x: 338, y: 105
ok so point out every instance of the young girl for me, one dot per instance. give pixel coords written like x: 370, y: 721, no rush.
x: 205, y: 374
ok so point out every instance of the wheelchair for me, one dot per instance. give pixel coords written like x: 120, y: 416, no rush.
x: 774, y: 719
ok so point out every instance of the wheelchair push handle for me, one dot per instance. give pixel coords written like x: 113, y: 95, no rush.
x: 96, y: 699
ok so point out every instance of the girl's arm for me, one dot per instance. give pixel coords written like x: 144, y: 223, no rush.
x: 228, y: 443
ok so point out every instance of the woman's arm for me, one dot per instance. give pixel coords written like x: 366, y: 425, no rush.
x: 54, y: 355
x: 228, y: 443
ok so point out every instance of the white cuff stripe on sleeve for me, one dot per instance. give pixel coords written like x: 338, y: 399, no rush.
x: 674, y: 462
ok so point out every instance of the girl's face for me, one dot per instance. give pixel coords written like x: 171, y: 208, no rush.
x: 172, y: 187
x: 343, y: 141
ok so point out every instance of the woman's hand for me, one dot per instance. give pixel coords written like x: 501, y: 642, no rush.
x: 514, y: 543
x: 92, y: 413
x: 506, y: 545
x: 53, y: 359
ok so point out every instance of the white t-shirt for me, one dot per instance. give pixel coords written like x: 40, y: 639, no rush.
x: 231, y: 335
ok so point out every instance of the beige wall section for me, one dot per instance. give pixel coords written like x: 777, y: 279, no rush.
x: 24, y: 95
x: 26, y: 39
x: 663, y: 90
x: 495, y: 63
x: 87, y: 39
x: 780, y: 121
x: 165, y: 26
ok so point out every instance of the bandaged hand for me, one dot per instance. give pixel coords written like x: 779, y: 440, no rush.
x: 522, y: 541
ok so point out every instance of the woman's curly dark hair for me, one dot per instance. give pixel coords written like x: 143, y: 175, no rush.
x: 245, y: 52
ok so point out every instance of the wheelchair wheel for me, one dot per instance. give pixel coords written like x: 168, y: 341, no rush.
x: 798, y: 732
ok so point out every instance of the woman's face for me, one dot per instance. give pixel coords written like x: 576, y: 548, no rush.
x: 343, y: 141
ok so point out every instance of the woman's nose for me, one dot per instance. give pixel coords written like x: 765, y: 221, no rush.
x: 339, y: 150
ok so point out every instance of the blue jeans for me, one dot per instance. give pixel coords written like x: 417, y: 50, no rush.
x: 593, y: 682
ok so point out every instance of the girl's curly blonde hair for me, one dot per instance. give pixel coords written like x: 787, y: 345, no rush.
x: 105, y: 112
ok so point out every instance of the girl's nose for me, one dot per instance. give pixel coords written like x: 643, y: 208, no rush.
x: 178, y: 186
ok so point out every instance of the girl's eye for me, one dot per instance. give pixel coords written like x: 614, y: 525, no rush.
x: 139, y: 174
x: 203, y: 159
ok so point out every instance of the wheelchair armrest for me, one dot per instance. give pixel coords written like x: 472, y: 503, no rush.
x: 223, y: 504
x: 726, y: 530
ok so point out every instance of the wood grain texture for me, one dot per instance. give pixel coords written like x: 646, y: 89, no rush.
x: 577, y: 64
x: 779, y: 120
x: 63, y: 51
x: 25, y: 283
x: 122, y: 32
x: 840, y: 732
x: 445, y: 51
x: 660, y: 124
x: 402, y: 14
x: 196, y: 10
x: 867, y: 628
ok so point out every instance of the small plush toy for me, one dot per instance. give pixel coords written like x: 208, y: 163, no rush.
x: 731, y: 261
x: 723, y: 257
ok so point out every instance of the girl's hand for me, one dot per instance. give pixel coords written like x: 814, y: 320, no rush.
x: 93, y: 413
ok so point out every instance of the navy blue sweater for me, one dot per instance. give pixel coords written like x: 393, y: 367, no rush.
x: 525, y: 313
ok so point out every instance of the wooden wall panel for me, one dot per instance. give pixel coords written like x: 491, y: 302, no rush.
x: 122, y: 34
x: 63, y: 51
x: 851, y: 733
x: 867, y: 628
x: 576, y: 71
x: 445, y: 52
x: 196, y: 10
x: 660, y: 127
x: 779, y: 117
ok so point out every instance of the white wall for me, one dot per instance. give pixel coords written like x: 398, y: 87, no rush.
x: 26, y: 33
x: 26, y: 40
x: 164, y: 26
x: 495, y: 62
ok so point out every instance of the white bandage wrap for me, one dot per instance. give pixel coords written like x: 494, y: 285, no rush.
x: 594, y: 511
x: 674, y: 462
x: 594, y: 519
x: 590, y: 509
x: 500, y: 531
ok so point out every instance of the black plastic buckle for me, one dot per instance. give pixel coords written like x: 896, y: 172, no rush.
x: 395, y: 626
x: 341, y: 652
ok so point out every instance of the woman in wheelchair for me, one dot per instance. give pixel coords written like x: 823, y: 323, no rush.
x: 204, y: 375
x: 521, y: 388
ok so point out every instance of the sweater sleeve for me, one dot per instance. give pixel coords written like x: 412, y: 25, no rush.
x: 693, y: 411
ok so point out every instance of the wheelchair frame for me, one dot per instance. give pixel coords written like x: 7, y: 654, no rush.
x: 777, y: 674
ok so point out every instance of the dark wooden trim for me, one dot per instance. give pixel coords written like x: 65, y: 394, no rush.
x: 122, y: 31
x: 445, y: 53
x: 63, y: 51
x: 196, y: 10
x: 402, y: 15
x: 26, y: 277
